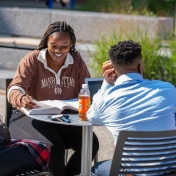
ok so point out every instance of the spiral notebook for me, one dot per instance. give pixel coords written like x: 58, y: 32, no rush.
x: 94, y: 85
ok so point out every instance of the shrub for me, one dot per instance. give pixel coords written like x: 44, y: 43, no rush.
x: 137, y: 7
x: 159, y: 60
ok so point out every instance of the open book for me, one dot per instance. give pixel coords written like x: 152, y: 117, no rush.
x: 52, y: 107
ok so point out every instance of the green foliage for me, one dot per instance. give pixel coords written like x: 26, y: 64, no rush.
x: 158, y: 64
x: 101, y: 52
x: 159, y: 61
x: 172, y: 67
x: 162, y: 7
x: 136, y: 7
x: 109, y: 6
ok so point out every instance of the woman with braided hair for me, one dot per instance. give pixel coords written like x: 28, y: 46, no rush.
x: 54, y: 71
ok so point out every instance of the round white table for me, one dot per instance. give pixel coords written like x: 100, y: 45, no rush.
x: 87, y: 134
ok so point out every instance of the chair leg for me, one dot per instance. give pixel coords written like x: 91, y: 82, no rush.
x: 96, y: 158
x: 35, y: 173
x: 66, y: 156
x: 44, y: 174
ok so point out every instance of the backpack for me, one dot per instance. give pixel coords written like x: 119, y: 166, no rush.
x: 4, y: 134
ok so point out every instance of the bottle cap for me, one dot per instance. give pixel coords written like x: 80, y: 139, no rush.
x: 84, y: 86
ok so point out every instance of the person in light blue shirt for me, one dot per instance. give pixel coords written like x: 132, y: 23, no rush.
x: 127, y: 101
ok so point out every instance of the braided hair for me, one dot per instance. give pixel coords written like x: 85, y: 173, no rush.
x: 125, y: 52
x: 59, y: 26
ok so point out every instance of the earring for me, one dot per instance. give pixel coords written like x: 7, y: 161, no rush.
x: 72, y: 47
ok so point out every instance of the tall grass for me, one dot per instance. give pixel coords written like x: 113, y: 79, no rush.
x: 159, y: 60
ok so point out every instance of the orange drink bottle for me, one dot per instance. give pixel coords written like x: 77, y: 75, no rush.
x: 84, y: 102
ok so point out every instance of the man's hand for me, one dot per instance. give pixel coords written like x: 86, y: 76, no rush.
x: 109, y: 73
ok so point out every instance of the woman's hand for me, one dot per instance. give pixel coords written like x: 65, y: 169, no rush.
x: 27, y: 102
x: 109, y: 73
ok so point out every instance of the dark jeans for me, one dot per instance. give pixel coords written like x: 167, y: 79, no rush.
x: 16, y: 160
x: 58, y: 137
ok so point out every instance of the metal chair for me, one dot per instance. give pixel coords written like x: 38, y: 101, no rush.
x: 9, y: 108
x: 11, y: 155
x: 143, y: 152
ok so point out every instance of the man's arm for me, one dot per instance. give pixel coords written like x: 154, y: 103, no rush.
x: 94, y: 114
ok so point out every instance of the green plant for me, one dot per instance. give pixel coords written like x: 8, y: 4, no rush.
x: 101, y: 53
x: 133, y: 7
x: 159, y: 62
x: 110, y: 6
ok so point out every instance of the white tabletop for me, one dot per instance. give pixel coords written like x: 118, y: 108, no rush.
x: 75, y: 121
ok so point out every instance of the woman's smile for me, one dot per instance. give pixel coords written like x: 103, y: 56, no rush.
x: 57, y: 56
x: 59, y: 45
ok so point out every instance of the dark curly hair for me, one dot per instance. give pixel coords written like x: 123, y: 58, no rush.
x: 59, y: 26
x: 124, y: 52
